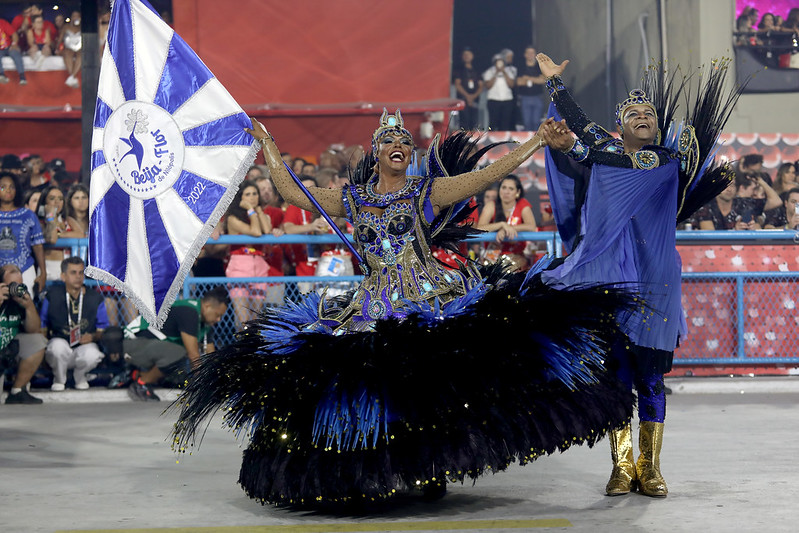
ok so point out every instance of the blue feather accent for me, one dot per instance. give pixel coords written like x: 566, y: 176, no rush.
x: 563, y: 365
x: 435, y: 312
x: 672, y: 137
x: 538, y: 267
x: 350, y: 423
x: 286, y: 322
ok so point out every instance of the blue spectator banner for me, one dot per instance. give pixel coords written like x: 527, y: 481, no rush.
x: 168, y: 153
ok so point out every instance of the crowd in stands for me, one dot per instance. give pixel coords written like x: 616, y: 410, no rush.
x: 64, y: 327
x: 45, y: 37
x: 753, y: 200
x: 775, y: 38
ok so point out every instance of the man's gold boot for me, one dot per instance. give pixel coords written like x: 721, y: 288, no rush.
x: 650, y: 441
x: 622, y: 479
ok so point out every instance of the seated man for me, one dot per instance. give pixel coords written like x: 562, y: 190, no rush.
x: 76, y: 318
x: 187, y: 332
x: 737, y: 208
x: 27, y: 347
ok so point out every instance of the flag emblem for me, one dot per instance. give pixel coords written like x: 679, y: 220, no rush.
x: 168, y: 153
x: 145, y: 149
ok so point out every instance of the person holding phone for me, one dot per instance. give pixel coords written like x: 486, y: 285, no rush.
x: 787, y: 215
x: 499, y: 81
x: 736, y: 208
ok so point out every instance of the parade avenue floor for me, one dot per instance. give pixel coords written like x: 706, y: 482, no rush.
x: 730, y: 460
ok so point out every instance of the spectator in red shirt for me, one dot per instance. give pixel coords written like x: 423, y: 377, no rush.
x: 9, y: 46
x: 270, y: 202
x: 22, y: 22
x: 41, y: 39
x: 296, y: 221
x: 508, y: 215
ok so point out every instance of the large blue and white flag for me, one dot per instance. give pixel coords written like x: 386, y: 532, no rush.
x: 168, y: 153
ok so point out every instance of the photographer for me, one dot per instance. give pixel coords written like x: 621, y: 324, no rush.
x: 27, y: 348
x: 499, y: 80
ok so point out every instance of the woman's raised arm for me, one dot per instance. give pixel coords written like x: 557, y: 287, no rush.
x: 447, y: 191
x: 329, y: 199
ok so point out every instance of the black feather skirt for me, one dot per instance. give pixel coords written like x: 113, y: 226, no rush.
x: 511, y: 371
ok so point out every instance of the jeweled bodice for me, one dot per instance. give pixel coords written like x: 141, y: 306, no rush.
x: 391, y: 233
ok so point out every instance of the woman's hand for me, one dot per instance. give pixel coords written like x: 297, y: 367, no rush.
x: 548, y: 67
x: 245, y: 204
x: 40, y: 282
x: 506, y: 232
x: 556, y: 135
x: 320, y: 225
x: 258, y: 131
x: 741, y: 225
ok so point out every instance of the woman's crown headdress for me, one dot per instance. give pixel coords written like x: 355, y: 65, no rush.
x: 636, y: 97
x: 389, y: 124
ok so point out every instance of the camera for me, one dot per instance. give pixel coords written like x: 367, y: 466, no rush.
x: 17, y: 289
x: 796, y: 208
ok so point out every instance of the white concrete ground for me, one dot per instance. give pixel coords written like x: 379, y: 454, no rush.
x: 730, y: 460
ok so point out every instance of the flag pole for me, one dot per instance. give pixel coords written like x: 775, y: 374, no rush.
x: 327, y: 217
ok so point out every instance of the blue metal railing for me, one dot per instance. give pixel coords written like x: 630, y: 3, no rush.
x: 739, y: 355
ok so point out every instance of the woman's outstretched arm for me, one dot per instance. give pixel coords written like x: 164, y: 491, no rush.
x: 329, y: 199
x: 447, y: 191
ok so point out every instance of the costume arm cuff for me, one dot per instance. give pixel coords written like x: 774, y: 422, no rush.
x: 578, y: 151
x: 554, y: 85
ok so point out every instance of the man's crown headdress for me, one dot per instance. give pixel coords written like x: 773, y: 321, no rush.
x: 389, y: 124
x: 636, y: 97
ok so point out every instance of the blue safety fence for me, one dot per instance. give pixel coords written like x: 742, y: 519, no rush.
x: 734, y: 318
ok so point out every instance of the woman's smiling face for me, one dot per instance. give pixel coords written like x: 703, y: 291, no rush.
x: 395, y: 151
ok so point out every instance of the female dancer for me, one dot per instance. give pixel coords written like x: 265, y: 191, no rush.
x: 398, y: 384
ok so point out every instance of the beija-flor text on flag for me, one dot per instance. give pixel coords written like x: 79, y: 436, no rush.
x: 169, y: 151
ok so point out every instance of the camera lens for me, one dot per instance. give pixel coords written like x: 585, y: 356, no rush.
x: 17, y: 289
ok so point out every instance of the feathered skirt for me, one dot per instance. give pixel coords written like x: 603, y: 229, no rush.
x: 510, y: 371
